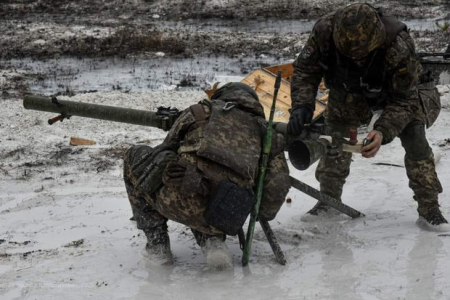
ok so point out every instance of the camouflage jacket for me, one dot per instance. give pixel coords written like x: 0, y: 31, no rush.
x: 277, y: 181
x: 401, y: 69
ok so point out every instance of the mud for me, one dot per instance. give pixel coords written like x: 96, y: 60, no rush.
x: 141, y: 10
x: 69, y: 76
x: 179, y: 28
x: 144, y: 32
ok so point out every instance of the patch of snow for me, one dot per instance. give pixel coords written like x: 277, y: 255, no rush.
x: 39, y: 42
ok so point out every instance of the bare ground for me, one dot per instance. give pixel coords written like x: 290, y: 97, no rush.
x: 43, y: 29
x: 137, y: 28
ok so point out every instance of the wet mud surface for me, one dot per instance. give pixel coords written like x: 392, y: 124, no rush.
x: 180, y: 28
x: 167, y: 37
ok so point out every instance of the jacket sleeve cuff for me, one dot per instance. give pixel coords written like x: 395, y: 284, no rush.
x: 387, y: 136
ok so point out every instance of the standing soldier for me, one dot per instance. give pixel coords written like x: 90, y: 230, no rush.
x: 203, y: 175
x: 368, y: 62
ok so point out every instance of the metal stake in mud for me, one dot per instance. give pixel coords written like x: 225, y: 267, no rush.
x: 267, y: 144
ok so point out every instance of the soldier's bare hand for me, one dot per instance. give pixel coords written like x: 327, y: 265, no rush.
x: 371, y: 150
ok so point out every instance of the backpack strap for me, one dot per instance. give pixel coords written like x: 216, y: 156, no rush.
x: 199, y: 113
x: 375, y: 72
x: 393, y: 28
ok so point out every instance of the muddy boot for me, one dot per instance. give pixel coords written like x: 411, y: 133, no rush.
x: 331, y: 172
x: 215, y: 250
x: 319, y: 211
x: 158, y: 245
x: 431, y: 218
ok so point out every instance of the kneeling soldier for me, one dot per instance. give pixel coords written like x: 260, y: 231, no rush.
x: 204, y: 173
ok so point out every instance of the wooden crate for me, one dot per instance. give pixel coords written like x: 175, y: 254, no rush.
x: 263, y: 81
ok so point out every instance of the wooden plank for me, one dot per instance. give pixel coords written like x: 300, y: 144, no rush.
x: 287, y: 70
x: 76, y: 141
x: 263, y: 81
x: 268, y: 82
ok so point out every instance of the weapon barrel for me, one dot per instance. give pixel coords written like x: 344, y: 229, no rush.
x: 94, y: 111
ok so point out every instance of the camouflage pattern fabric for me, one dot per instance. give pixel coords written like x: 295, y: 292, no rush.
x: 402, y: 114
x: 144, y: 213
x: 226, y: 143
x: 431, y: 102
x: 358, y: 30
x: 190, y: 181
x: 401, y: 69
x: 331, y: 172
x: 419, y: 164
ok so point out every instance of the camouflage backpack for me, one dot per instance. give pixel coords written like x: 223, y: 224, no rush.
x: 227, y: 136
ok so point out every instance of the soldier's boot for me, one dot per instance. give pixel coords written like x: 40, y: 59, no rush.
x: 147, y: 218
x: 331, y: 173
x: 431, y: 218
x: 319, y: 209
x: 215, y: 250
x: 158, y: 245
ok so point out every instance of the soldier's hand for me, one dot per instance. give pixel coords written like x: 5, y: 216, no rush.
x: 174, y: 173
x: 376, y: 138
x: 299, y: 117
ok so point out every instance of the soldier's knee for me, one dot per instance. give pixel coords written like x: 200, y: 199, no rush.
x: 415, y: 142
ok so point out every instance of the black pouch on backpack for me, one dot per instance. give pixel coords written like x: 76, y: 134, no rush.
x: 229, y: 208
x: 429, y: 97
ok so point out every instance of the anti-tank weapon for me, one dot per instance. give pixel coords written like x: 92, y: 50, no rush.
x: 163, y: 118
x: 303, y: 150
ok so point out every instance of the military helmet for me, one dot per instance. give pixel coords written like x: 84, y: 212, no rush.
x: 231, y: 87
x: 358, y: 30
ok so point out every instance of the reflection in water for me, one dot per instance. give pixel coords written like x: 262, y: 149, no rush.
x: 422, y: 266
x: 189, y: 278
x: 337, y: 261
x: 267, y: 26
x: 107, y: 74
x: 444, y: 78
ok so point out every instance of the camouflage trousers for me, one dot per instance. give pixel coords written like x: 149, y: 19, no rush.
x: 183, y: 195
x: 170, y: 201
x: 144, y: 213
x: 419, y: 164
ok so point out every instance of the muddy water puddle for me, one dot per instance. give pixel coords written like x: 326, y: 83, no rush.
x: 72, y: 75
x: 444, y: 78
x: 267, y: 25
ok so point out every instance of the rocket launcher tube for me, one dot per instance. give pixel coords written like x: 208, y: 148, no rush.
x: 162, y: 119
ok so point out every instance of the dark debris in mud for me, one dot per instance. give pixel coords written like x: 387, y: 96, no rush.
x: 45, y: 29
x: 106, y: 159
x: 137, y: 29
x: 116, y: 152
x: 12, y: 153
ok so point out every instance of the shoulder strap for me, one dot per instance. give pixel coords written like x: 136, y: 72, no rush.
x: 375, y: 71
x: 198, y: 111
x: 393, y: 28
